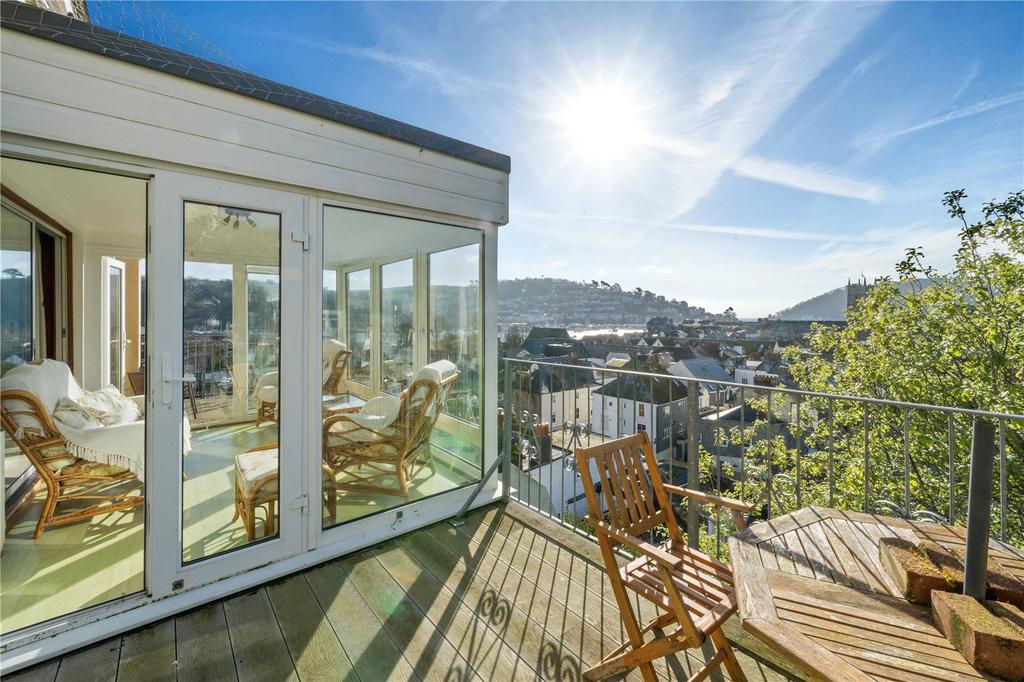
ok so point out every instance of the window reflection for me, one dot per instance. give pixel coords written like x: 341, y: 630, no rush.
x: 407, y: 427
x: 231, y: 357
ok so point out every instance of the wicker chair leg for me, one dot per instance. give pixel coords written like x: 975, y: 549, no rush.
x: 47, y: 513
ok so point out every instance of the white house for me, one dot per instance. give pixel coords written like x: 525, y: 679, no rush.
x: 632, y: 403
x: 350, y: 260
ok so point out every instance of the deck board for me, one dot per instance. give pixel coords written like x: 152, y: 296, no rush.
x: 509, y: 595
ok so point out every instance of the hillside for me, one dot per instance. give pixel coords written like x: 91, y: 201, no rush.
x: 538, y: 300
x: 830, y: 305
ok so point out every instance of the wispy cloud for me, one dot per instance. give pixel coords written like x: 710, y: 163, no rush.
x: 810, y: 178
x: 429, y: 73
x: 590, y: 221
x: 956, y: 114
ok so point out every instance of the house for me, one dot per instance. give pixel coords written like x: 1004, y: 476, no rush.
x: 553, y: 342
x: 270, y: 271
x: 556, y: 394
x: 633, y: 403
x: 709, y: 371
x: 758, y: 372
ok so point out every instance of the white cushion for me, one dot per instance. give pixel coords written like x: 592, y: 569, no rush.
x: 49, y: 381
x: 331, y: 348
x: 254, y: 468
x: 267, y: 394
x: 107, y: 406
x: 437, y: 371
x: 74, y: 414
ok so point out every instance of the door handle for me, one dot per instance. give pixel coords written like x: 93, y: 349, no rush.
x: 167, y: 380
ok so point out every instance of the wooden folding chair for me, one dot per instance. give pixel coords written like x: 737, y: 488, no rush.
x: 691, y: 590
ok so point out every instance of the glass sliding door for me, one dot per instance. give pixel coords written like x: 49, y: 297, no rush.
x: 76, y: 537
x: 408, y: 426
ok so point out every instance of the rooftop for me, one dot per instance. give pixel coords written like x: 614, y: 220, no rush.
x: 69, y: 31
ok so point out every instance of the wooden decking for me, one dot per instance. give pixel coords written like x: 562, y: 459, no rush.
x: 508, y: 596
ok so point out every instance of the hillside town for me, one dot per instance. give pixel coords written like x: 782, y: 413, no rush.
x: 585, y: 382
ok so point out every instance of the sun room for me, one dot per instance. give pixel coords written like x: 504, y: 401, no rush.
x: 245, y: 329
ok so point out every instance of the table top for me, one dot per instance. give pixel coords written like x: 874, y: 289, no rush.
x: 811, y: 586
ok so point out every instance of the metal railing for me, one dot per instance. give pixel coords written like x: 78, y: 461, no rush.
x: 779, y: 448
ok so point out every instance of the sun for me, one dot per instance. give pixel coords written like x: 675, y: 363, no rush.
x: 602, y: 123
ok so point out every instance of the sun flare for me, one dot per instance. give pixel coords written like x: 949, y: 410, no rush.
x: 601, y: 123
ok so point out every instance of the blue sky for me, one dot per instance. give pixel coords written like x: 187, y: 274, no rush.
x: 748, y: 155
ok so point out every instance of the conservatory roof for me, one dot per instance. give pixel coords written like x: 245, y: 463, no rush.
x: 66, y: 30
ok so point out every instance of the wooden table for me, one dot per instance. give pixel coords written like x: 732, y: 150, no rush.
x: 810, y: 585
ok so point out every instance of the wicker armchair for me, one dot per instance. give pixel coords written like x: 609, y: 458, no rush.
x: 26, y: 415
x: 380, y: 448
x: 334, y: 365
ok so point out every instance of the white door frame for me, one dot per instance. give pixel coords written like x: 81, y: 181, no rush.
x: 167, y: 571
x: 106, y: 263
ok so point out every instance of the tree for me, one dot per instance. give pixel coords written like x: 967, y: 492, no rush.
x: 923, y: 337
x: 953, y: 339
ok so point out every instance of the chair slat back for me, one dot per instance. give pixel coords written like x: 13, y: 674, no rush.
x: 626, y: 473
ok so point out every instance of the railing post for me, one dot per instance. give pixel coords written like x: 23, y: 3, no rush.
x: 506, y: 437
x: 979, y: 508
x: 692, y: 463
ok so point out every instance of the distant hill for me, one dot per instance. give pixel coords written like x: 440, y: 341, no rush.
x: 539, y: 300
x: 830, y: 305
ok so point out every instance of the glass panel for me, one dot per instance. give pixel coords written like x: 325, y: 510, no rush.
x: 16, y: 289
x: 454, y: 335
x: 52, y: 565
x: 454, y: 327
x: 396, y: 325
x: 231, y: 358
x: 418, y: 434
x: 357, y: 317
x: 116, y: 335
x: 263, y: 287
x: 329, y: 321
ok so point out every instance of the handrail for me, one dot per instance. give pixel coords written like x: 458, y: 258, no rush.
x: 549, y: 484
x: 782, y: 389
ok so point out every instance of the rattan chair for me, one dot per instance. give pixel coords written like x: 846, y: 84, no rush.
x: 692, y: 591
x: 84, y: 488
x: 334, y: 366
x: 381, y: 453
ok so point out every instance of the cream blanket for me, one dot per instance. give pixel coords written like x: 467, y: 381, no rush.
x: 121, y: 441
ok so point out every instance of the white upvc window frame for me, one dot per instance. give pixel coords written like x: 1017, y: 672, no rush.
x: 239, y: 570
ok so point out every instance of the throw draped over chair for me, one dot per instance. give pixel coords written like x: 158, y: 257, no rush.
x: 380, y: 448
x: 84, y: 488
x: 691, y: 590
x: 334, y: 364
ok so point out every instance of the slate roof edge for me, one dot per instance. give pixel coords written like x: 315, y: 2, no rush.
x: 66, y: 30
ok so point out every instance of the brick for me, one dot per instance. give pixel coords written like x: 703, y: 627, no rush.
x: 988, y: 635
x: 915, y: 574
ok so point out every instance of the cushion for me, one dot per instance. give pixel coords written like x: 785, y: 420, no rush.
x: 267, y: 393
x: 254, y: 468
x: 82, y: 466
x: 75, y: 414
x: 49, y: 381
x: 105, y: 407
x: 437, y: 371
